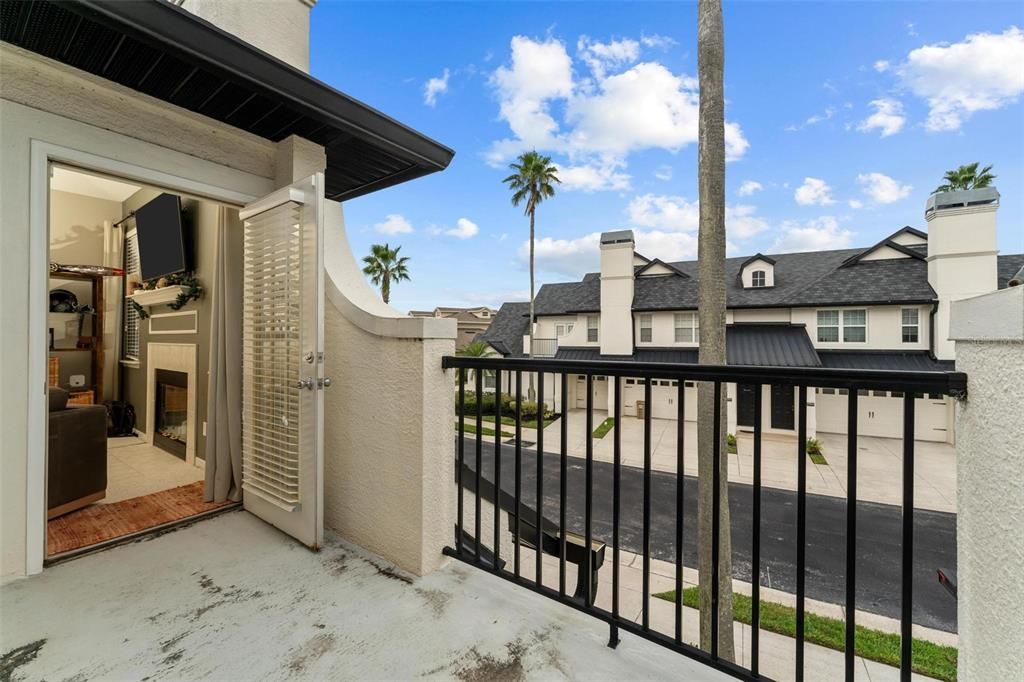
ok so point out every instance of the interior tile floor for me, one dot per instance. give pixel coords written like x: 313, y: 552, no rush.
x: 136, y: 468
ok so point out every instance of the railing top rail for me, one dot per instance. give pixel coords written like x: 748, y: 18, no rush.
x: 916, y: 381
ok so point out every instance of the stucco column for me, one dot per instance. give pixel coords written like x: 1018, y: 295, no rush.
x: 989, y: 335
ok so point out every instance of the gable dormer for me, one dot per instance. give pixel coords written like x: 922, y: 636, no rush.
x: 904, y: 243
x: 659, y: 268
x: 757, y: 272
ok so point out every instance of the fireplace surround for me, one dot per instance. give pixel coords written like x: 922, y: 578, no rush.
x: 170, y: 409
x: 177, y: 358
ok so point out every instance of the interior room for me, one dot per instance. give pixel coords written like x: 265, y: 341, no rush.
x: 133, y: 278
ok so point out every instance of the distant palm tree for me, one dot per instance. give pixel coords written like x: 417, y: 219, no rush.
x: 473, y: 349
x: 966, y: 177
x: 532, y: 181
x: 384, y: 266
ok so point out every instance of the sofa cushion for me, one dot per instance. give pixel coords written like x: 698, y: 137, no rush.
x: 58, y: 399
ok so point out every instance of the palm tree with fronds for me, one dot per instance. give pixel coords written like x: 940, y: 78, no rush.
x: 384, y: 266
x: 533, y: 180
x: 966, y: 177
x: 473, y: 349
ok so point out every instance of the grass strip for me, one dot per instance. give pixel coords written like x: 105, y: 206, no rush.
x: 928, y: 658
x: 604, y: 427
x: 511, y: 421
x: 817, y: 458
x: 471, y: 428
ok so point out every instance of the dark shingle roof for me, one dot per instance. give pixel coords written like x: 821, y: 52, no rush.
x: 895, y: 360
x: 765, y: 345
x: 1007, y: 267
x: 507, y: 328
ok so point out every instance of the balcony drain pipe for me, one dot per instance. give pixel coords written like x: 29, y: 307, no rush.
x: 931, y: 329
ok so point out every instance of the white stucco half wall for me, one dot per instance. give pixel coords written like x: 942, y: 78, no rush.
x: 989, y: 335
x: 389, y: 417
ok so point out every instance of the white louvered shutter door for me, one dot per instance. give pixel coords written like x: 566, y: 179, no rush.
x: 282, y: 336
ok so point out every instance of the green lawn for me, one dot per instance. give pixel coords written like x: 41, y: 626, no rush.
x: 817, y: 458
x: 602, y: 430
x: 511, y: 421
x: 929, y: 659
x: 471, y: 428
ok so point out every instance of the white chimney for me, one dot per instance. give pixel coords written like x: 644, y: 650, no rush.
x: 962, y: 253
x: 616, y: 330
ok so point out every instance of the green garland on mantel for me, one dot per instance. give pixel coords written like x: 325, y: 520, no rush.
x: 193, y: 291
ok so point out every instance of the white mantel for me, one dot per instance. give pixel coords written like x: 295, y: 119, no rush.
x: 176, y: 357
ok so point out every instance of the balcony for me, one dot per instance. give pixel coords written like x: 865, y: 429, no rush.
x: 542, y: 348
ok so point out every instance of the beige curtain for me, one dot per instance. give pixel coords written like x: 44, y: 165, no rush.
x: 224, y: 403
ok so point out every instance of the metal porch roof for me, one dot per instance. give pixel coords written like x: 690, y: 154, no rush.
x: 166, y: 52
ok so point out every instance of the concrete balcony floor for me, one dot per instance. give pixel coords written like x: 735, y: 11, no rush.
x: 233, y: 598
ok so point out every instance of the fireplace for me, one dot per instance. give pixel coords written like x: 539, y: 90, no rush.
x: 170, y: 412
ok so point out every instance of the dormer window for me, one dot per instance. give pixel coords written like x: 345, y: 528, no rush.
x: 757, y: 279
x: 757, y: 272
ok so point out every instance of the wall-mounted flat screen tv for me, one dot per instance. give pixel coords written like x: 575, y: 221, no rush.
x: 162, y: 241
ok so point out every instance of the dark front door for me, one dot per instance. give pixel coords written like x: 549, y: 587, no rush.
x: 782, y: 407
x: 745, y: 394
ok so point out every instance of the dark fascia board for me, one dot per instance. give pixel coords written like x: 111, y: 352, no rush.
x: 200, y: 42
x: 810, y: 304
x: 888, y: 241
x: 658, y: 261
x: 756, y: 257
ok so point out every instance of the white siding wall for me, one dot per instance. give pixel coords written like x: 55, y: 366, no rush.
x: 884, y: 328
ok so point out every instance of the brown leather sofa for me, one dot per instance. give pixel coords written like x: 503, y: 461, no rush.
x: 77, y: 457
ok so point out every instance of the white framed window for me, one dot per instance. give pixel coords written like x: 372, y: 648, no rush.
x: 828, y: 326
x: 559, y: 330
x: 757, y: 279
x: 855, y: 326
x: 592, y: 328
x: 130, y: 330
x: 910, y: 321
x: 489, y: 379
x: 687, y: 328
x: 646, y: 328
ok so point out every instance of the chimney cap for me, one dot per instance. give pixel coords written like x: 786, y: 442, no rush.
x: 617, y: 237
x: 962, y: 198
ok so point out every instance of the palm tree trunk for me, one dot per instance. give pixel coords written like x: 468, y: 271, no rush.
x: 711, y: 298
x: 385, y: 289
x: 531, y: 392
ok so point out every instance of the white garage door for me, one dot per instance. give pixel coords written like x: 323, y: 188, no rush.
x: 599, y: 395
x: 880, y: 414
x: 664, y: 394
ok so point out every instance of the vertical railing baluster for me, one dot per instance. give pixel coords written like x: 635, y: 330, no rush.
x: 680, y: 436
x: 616, y: 464
x: 755, y: 564
x: 462, y: 456
x: 716, y: 521
x: 517, y: 531
x: 588, y: 500
x: 801, y: 527
x: 539, y: 575
x: 564, y: 485
x: 497, y: 470
x: 907, y: 605
x: 646, y: 578
x: 479, y: 459
x: 851, y: 535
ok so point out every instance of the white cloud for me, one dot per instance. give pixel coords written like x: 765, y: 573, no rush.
x: 855, y: 203
x: 657, y: 41
x: 676, y: 214
x: 888, y: 117
x: 813, y: 235
x: 814, y: 192
x: 663, y: 172
x: 882, y: 189
x: 983, y: 72
x: 749, y: 187
x: 814, y: 119
x: 394, y: 223
x: 593, y: 177
x: 623, y: 107
x: 568, y: 257
x: 464, y: 229
x: 881, y: 66
x: 668, y: 246
x: 602, y: 56
x: 434, y: 87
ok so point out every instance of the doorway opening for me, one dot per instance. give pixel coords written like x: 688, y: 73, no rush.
x: 129, y: 318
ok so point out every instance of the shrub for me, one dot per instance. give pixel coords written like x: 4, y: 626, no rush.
x: 813, y: 446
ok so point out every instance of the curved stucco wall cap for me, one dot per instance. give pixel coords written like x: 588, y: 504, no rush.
x: 349, y: 292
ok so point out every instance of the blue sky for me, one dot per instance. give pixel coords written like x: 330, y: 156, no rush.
x: 842, y: 117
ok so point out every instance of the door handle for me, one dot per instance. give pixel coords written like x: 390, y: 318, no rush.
x: 324, y: 383
x: 304, y: 383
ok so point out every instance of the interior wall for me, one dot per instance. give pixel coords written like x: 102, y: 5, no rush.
x: 200, y: 221
x: 77, y: 238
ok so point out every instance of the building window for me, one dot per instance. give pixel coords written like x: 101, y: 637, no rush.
x: 559, y: 330
x: 646, y: 331
x: 687, y: 327
x: 911, y: 325
x: 489, y: 379
x: 855, y: 326
x: 828, y: 326
x: 592, y: 328
x: 757, y: 279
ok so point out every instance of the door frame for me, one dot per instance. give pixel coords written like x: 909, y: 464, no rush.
x: 792, y: 406
x: 41, y: 155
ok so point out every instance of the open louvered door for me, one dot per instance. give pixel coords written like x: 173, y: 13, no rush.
x: 282, y: 360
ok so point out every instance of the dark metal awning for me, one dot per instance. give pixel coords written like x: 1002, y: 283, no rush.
x: 166, y: 52
x: 904, y: 361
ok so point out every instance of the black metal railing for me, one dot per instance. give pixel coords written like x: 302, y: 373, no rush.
x: 530, y: 527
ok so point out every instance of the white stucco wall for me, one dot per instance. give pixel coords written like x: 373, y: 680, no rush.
x: 990, y: 486
x: 616, y: 299
x: 747, y: 276
x: 884, y: 327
